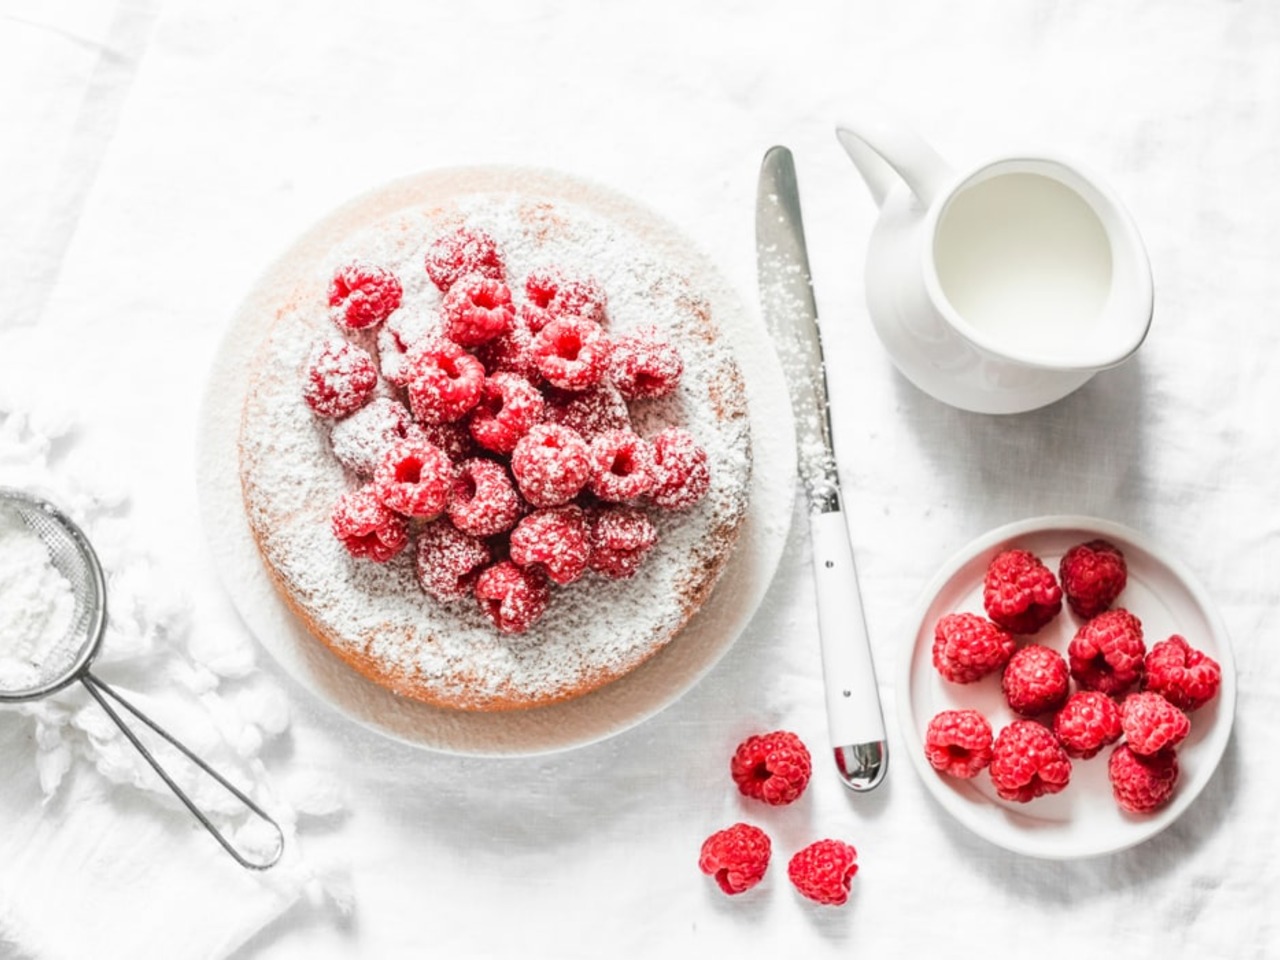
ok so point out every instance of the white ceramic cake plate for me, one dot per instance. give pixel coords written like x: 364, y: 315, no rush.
x: 619, y: 706
x: 1083, y: 820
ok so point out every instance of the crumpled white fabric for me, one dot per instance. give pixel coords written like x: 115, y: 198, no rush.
x: 200, y: 685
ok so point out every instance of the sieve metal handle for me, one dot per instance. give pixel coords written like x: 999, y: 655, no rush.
x: 97, y: 689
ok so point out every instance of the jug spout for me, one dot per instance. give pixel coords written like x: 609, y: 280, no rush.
x: 885, y: 154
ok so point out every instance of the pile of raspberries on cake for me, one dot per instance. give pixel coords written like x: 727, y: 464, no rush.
x: 497, y: 438
x: 1121, y: 689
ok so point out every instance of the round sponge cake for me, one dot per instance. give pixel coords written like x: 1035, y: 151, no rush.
x: 375, y: 616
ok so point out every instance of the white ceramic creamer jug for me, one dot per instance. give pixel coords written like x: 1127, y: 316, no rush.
x: 1003, y: 287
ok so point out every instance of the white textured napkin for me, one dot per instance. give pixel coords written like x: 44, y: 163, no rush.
x: 92, y: 834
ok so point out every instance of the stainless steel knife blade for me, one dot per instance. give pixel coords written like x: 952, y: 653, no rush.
x: 854, y: 717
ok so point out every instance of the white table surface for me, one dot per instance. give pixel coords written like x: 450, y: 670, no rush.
x: 156, y: 154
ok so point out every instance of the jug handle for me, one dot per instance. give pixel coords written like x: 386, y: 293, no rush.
x: 885, y: 152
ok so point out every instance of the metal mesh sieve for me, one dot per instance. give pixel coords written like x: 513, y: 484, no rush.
x: 69, y: 659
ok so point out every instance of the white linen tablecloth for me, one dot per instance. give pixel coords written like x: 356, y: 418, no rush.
x: 155, y: 155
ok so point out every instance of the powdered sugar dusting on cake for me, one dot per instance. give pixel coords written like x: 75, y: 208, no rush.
x: 595, y: 629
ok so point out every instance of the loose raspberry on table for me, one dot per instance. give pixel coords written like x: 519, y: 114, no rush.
x: 589, y: 412
x: 1019, y: 592
x: 1142, y: 784
x: 1093, y: 575
x: 551, y: 465
x: 643, y: 365
x: 509, y: 406
x: 1087, y: 722
x: 824, y: 871
x: 958, y: 743
x: 449, y: 561
x: 361, y: 440
x: 772, y: 767
x: 444, y: 382
x: 621, y: 537
x: 967, y: 647
x: 477, y: 309
x: 341, y: 378
x: 1151, y: 723
x: 465, y: 250
x: 1035, y: 680
x: 512, y: 597
x: 556, y: 539
x: 484, y: 501
x: 1107, y: 652
x: 1183, y: 675
x: 622, y: 466
x: 1028, y: 762
x: 571, y: 354
x: 553, y: 294
x: 682, y: 470
x: 414, y: 479
x: 366, y: 527
x: 362, y: 295
x: 736, y: 857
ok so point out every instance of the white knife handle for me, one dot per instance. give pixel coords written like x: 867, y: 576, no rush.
x: 854, y: 716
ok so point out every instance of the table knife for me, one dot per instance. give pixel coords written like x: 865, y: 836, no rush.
x: 854, y: 718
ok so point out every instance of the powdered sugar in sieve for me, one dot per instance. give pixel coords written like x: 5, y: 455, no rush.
x: 53, y: 607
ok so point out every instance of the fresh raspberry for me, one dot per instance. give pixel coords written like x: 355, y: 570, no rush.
x: 1035, y: 680
x: 414, y: 479
x: 737, y: 857
x: 362, y: 295
x: 1107, y: 652
x: 341, y: 378
x: 484, y: 501
x: 1087, y: 722
x: 509, y: 406
x: 967, y: 647
x: 551, y: 464
x: 824, y: 871
x: 958, y: 743
x: 1151, y: 723
x: 1028, y: 762
x: 682, y: 473
x: 589, y: 412
x: 361, y: 440
x: 444, y: 382
x: 449, y: 561
x: 773, y: 767
x: 622, y: 466
x: 643, y: 365
x: 466, y: 250
x: 453, y: 438
x: 556, y: 539
x: 1181, y: 674
x: 405, y: 333
x: 512, y: 597
x: 1142, y: 784
x: 477, y: 309
x: 621, y: 537
x: 1019, y: 592
x: 511, y: 353
x: 552, y: 295
x: 366, y: 527
x: 571, y: 354
x: 1092, y: 575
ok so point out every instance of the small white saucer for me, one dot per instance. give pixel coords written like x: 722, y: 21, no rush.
x: 1084, y: 819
